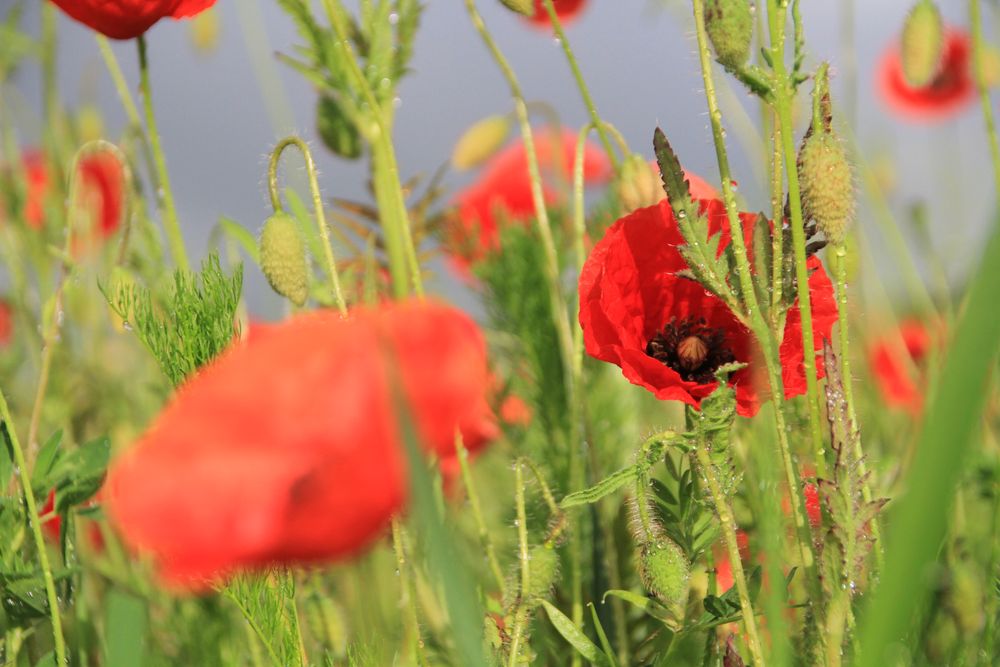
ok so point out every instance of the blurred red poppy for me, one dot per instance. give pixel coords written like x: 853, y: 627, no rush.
x: 723, y: 568
x: 287, y: 448
x: 899, y: 378
x: 951, y: 88
x: 101, y: 193
x: 666, y: 332
x: 6, y: 322
x: 566, y: 10
x: 502, y: 194
x: 125, y: 19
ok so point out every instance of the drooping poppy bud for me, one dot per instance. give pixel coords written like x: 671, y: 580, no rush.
x: 729, y: 24
x: 542, y: 571
x: 665, y: 571
x: 827, y: 184
x: 922, y: 43
x: 480, y: 142
x: 637, y: 185
x: 283, y: 258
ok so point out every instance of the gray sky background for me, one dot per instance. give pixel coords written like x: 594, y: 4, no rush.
x: 638, y: 57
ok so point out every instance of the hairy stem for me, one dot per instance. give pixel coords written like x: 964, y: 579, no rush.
x: 35, y: 523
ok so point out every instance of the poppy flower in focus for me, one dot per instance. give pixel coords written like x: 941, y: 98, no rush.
x: 125, y: 19
x: 667, y: 333
x: 312, y: 469
x: 899, y: 378
x: 6, y: 322
x: 566, y: 10
x: 952, y: 88
x: 502, y: 194
x: 101, y: 192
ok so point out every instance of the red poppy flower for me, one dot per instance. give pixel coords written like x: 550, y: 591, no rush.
x: 899, y: 379
x: 125, y: 19
x: 503, y: 192
x: 566, y: 10
x: 814, y: 508
x: 951, y: 88
x: 287, y: 448
x: 6, y: 322
x: 723, y: 568
x: 667, y: 333
x: 101, y: 191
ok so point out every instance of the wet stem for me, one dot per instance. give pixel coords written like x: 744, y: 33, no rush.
x: 520, y: 613
x: 782, y: 101
x: 556, y: 299
x: 35, y: 523
x: 728, y: 524
x: 165, y: 195
x: 767, y: 338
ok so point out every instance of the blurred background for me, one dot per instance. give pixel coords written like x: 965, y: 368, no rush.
x: 222, y: 109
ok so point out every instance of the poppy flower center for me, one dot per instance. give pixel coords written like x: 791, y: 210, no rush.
x: 692, y: 348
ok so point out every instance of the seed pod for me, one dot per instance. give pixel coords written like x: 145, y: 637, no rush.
x: 638, y: 184
x: 283, y: 258
x: 522, y: 7
x: 729, y: 24
x: 336, y: 130
x: 543, y: 570
x: 922, y: 44
x: 480, y: 142
x: 665, y: 571
x: 827, y: 185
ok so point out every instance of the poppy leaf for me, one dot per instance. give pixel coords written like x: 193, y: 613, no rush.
x: 605, y: 487
x: 648, y: 605
x: 575, y: 636
x: 674, y: 182
x: 80, y: 473
x: 48, y: 459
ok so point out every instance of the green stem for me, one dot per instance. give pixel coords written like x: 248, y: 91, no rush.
x: 783, y: 104
x: 24, y: 476
x: 728, y: 524
x: 761, y: 331
x: 522, y: 544
x: 388, y: 190
x: 477, y: 514
x: 777, y: 215
x: 557, y: 302
x: 409, y: 600
x: 845, y: 373
x: 317, y: 197
x: 165, y: 195
x: 581, y: 84
x: 976, y: 27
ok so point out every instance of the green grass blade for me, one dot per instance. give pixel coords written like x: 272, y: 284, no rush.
x: 945, y: 443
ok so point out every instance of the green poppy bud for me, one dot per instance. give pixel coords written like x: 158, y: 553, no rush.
x: 480, y: 142
x: 283, y: 258
x: 729, y: 24
x: 665, y: 571
x: 922, y: 43
x: 522, y: 7
x: 638, y: 184
x: 827, y: 184
x: 543, y: 570
x: 336, y: 130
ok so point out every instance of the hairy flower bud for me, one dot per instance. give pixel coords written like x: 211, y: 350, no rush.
x: 729, y: 24
x: 480, y: 142
x: 922, y: 44
x: 665, y: 571
x: 522, y: 7
x: 827, y: 185
x: 283, y: 258
x: 543, y: 570
x: 638, y: 185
